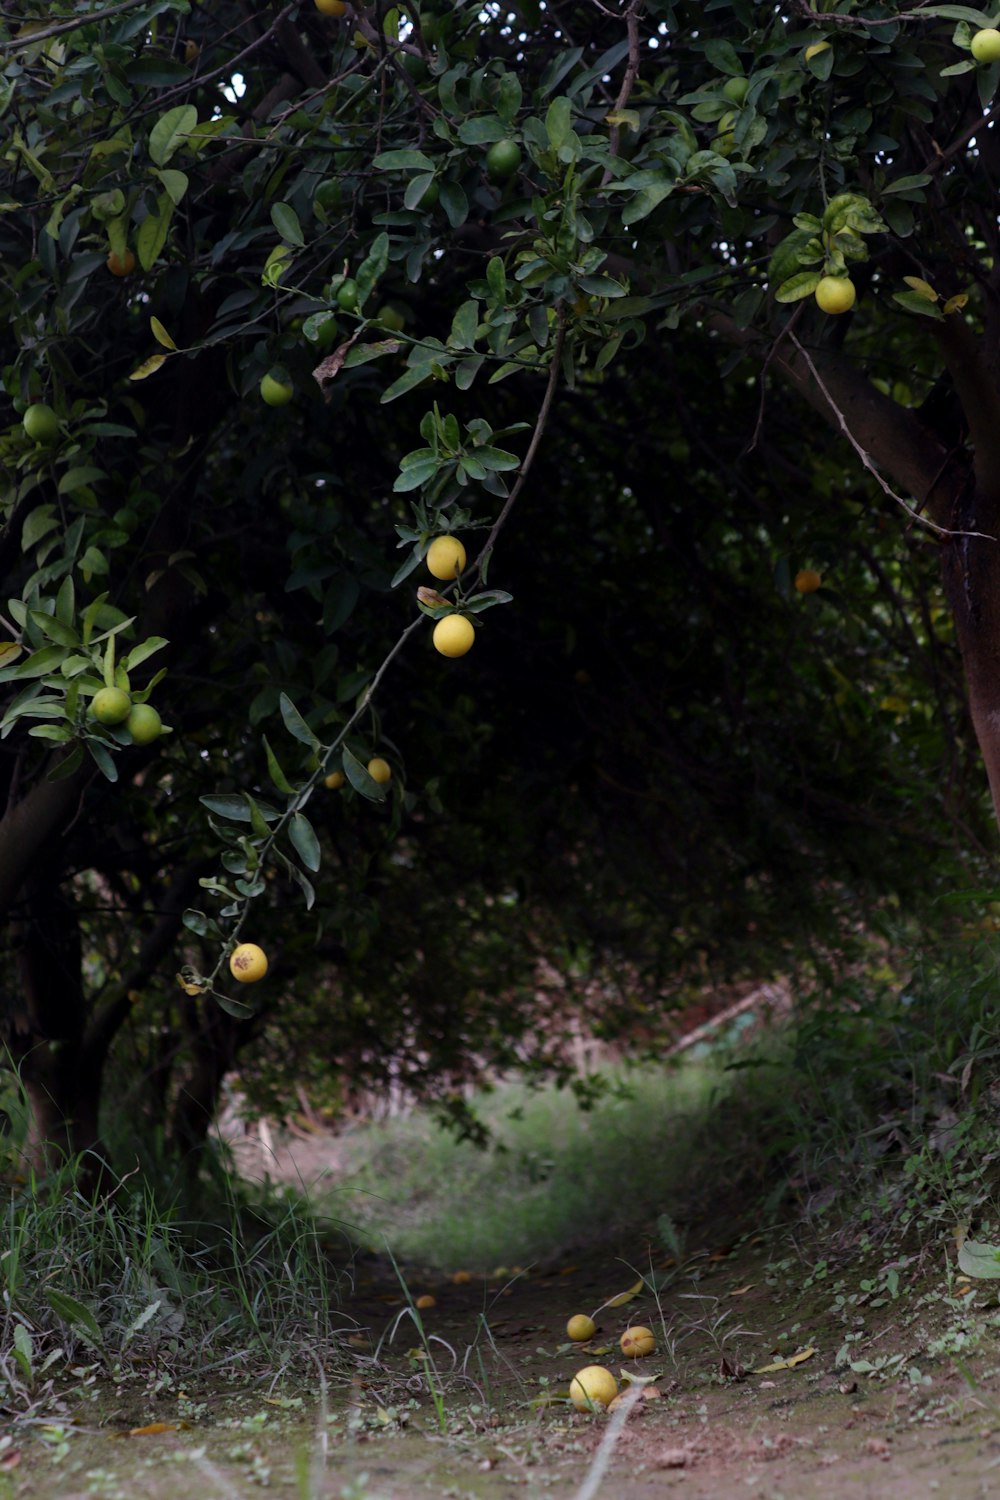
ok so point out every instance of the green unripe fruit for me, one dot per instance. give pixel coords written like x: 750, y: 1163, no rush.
x: 144, y: 724
x: 111, y: 706
x: 985, y: 45
x: 347, y: 295
x: 502, y: 160
x: 736, y: 89
x: 328, y: 194
x: 41, y: 423
x: 276, y: 392
x: 390, y: 317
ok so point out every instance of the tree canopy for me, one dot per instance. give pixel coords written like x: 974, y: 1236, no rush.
x: 682, y: 317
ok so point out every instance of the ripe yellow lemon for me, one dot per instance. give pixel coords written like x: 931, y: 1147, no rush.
x: 637, y: 1341
x: 41, y: 423
x: 593, y: 1388
x: 380, y: 770
x: 143, y: 724
x: 248, y: 963
x: 335, y: 780
x: 454, y: 635
x: 807, y: 581
x: 111, y: 706
x: 836, y: 294
x: 580, y: 1328
x: 985, y: 45
x: 331, y: 7
x: 445, y: 557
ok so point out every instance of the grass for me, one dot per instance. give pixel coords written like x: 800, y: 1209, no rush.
x: 553, y: 1176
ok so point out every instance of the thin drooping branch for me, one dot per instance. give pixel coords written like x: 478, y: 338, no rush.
x: 628, y: 82
x: 866, y: 460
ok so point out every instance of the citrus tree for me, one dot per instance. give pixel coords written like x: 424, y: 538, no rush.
x: 302, y: 307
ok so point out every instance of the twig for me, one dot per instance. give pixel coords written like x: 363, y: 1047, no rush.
x: 866, y: 460
x: 75, y: 25
x: 482, y: 561
x: 628, y: 82
x: 789, y: 327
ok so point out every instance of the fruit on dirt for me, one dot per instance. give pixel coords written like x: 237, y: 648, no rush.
x: 111, y: 706
x: 580, y: 1328
x: 593, y: 1388
x: 248, y: 963
x: 836, y: 294
x: 121, y: 265
x: 807, y: 581
x: 637, y: 1341
x: 380, y: 770
x: 445, y: 557
x: 985, y: 45
x: 454, y: 635
x: 41, y: 423
x: 502, y: 160
x: 143, y: 723
x: 461, y: 1277
x: 425, y: 1301
x: 335, y: 780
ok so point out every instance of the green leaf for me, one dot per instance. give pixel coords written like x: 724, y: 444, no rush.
x: 103, y: 760
x: 35, y: 665
x: 152, y: 233
x: 276, y: 773
x: 907, y: 184
x: 295, y: 723
x: 66, y: 1307
x: 41, y: 521
x: 63, y: 635
x: 496, y: 279
x: 169, y: 132
x: 238, y: 1009
x: 464, y: 325
x: 980, y: 1261
x: 357, y: 775
x: 78, y: 478
x: 303, y: 837
x: 802, y: 284
x: 404, y: 160
x: 408, y: 381
x: 916, y: 302
x: 227, y: 805
x: 372, y: 267
x: 144, y: 650
x: 558, y: 122
x: 174, y: 183
x: 286, y: 222
x: 67, y: 767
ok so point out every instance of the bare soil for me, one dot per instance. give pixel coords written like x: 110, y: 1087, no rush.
x: 918, y: 1416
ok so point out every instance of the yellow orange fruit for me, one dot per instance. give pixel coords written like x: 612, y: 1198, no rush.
x: 248, y: 963
x: 41, y: 423
x: 336, y: 8
x: 143, y: 724
x: 454, y: 635
x: 593, y: 1388
x: 111, y: 706
x: 445, y: 557
x: 637, y: 1341
x: 807, y: 581
x: 985, y: 45
x: 335, y: 780
x: 425, y: 1301
x: 580, y: 1328
x: 835, y: 294
x: 121, y: 265
x: 380, y: 770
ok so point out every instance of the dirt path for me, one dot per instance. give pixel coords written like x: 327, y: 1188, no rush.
x: 919, y: 1415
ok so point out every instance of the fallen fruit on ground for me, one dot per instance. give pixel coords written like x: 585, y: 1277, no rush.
x: 593, y: 1388
x: 111, y: 706
x: 276, y: 392
x: 143, y: 723
x: 580, y: 1328
x: 985, y: 45
x: 248, y: 963
x: 380, y: 770
x: 445, y: 557
x: 454, y: 635
x: 807, y: 581
x: 41, y: 423
x: 335, y: 780
x: 637, y: 1341
x: 426, y: 1301
x: 835, y: 294
x: 461, y: 1277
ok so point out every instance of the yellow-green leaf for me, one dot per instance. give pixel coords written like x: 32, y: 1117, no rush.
x: 924, y: 288
x: 148, y: 367
x: 786, y: 1364
x: 161, y: 335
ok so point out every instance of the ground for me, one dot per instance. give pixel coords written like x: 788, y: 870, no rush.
x: 900, y: 1395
